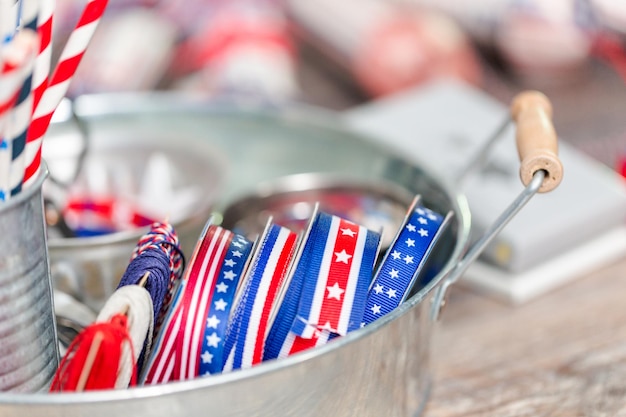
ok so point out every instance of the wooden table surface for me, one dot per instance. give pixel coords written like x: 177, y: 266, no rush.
x: 563, y: 354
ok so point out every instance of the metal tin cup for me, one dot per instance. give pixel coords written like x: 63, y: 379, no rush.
x: 29, y: 353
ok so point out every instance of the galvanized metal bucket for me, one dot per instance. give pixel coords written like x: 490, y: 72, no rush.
x: 380, y: 370
x: 29, y: 352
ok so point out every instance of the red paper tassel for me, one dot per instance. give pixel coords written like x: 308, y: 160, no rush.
x: 93, y: 359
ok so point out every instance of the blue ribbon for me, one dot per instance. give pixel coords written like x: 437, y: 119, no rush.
x: 213, y: 345
x: 298, y: 299
x: 288, y: 309
x: 402, y: 263
x: 250, y: 298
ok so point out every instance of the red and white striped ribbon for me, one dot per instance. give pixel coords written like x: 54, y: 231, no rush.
x: 201, y: 276
x: 59, y: 82
x: 160, y: 369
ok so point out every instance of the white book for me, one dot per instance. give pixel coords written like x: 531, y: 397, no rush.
x: 442, y: 125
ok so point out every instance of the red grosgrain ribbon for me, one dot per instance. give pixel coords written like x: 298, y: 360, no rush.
x: 326, y: 294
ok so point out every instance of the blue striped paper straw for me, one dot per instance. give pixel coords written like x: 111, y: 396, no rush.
x: 22, y: 112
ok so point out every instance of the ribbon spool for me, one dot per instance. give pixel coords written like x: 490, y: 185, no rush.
x: 260, y: 288
x: 293, y: 295
x: 158, y: 253
x: 327, y: 293
x: 403, y: 261
x: 207, y: 288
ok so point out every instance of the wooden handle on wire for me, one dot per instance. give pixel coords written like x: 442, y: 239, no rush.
x: 536, y: 139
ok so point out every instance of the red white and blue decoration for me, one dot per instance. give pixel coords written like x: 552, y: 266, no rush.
x: 403, y: 262
x: 327, y: 293
x: 241, y: 302
x: 265, y: 278
x: 192, y: 338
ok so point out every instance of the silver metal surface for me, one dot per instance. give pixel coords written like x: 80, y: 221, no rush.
x: 478, y: 160
x: 89, y: 269
x: 489, y: 235
x: 381, y: 370
x: 28, y: 344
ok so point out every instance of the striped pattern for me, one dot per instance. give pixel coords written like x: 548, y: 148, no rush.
x: 333, y: 297
x: 163, y: 236
x: 261, y: 286
x: 59, y: 82
x: 221, y: 304
x: 180, y: 348
x: 18, y: 58
x: 160, y: 367
x: 42, y: 63
x: 326, y: 294
x: 201, y: 277
x: 22, y: 110
x: 294, y: 344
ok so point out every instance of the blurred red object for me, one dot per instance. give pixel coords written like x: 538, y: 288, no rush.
x: 621, y: 166
x: 410, y: 50
x: 244, y: 46
x: 385, y: 46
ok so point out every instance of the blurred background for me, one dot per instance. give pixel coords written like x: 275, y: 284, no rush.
x: 340, y: 54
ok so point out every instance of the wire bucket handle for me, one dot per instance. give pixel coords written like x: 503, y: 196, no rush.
x: 540, y: 171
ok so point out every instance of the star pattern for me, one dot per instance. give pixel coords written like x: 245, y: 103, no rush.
x: 335, y: 292
x: 342, y: 256
x: 221, y: 303
x: 212, y: 322
x: 213, y: 340
x: 206, y: 357
x: 348, y: 232
x: 395, y: 276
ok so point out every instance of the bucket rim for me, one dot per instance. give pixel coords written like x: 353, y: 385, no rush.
x: 102, y: 105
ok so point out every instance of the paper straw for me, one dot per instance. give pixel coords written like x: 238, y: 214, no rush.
x: 17, y: 59
x: 59, y: 82
x: 22, y: 112
x: 42, y: 63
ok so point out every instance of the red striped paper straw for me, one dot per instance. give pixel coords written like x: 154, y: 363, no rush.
x: 42, y: 63
x: 59, y: 82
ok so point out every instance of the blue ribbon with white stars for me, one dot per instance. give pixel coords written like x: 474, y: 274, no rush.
x: 402, y: 263
x: 211, y: 359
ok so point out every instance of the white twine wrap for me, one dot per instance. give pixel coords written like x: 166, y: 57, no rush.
x: 137, y: 303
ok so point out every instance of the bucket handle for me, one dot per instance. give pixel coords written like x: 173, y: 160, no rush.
x: 540, y: 171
